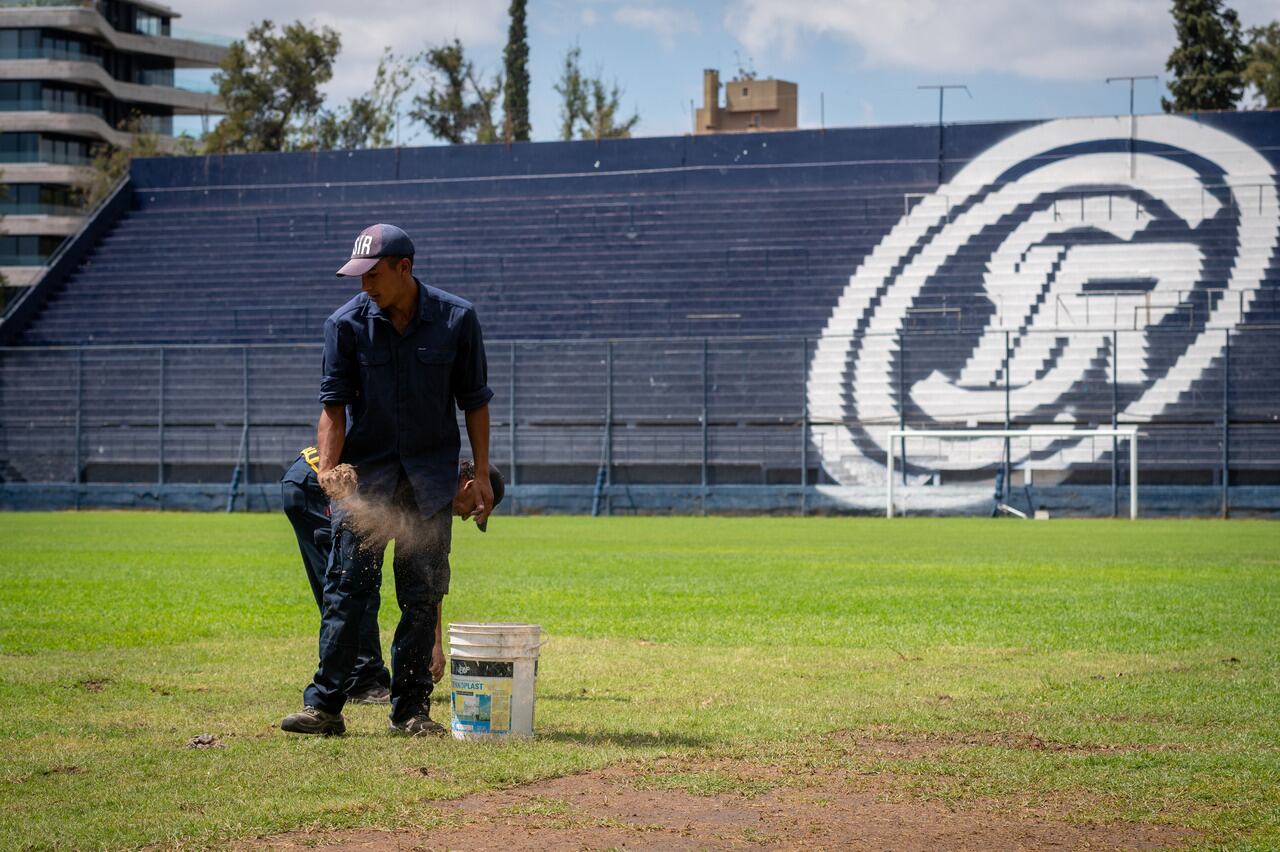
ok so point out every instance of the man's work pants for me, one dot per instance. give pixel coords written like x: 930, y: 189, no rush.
x: 306, y: 506
x: 421, y: 568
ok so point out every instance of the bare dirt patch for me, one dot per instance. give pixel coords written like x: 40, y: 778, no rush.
x: 684, y: 804
x: 918, y: 745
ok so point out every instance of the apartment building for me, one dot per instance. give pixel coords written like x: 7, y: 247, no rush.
x: 72, y: 74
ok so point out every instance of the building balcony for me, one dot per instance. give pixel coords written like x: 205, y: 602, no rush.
x: 181, y: 101
x: 23, y: 274
x: 86, y: 124
x: 62, y: 224
x: 184, y: 34
x: 73, y: 17
x: 45, y: 173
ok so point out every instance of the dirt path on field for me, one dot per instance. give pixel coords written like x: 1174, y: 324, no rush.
x: 681, y: 803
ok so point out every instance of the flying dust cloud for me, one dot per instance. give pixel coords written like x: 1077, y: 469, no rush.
x: 375, y: 522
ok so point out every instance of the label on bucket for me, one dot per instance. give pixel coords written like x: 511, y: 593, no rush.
x: 481, y: 695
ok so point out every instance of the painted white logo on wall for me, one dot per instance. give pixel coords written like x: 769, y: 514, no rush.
x: 1082, y: 227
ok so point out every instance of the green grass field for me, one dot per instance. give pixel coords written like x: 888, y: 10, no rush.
x: 1154, y: 646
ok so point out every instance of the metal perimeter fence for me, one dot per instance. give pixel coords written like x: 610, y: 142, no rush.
x: 609, y: 419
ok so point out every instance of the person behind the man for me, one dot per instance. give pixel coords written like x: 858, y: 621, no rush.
x: 396, y: 359
x: 307, y: 508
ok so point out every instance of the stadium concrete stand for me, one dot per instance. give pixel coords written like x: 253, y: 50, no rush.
x: 701, y: 323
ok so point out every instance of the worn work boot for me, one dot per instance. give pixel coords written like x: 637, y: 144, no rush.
x: 313, y: 720
x: 418, y: 725
x: 373, y: 695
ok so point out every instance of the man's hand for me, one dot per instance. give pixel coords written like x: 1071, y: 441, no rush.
x: 464, y: 502
x: 338, y: 482
x: 478, y: 435
x: 328, y: 480
x: 437, y: 663
x: 484, y: 497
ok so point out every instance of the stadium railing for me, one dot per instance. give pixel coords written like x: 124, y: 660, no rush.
x: 693, y: 413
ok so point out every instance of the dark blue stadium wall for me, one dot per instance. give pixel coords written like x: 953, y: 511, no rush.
x: 714, y: 323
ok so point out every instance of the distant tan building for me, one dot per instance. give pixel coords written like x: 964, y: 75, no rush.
x: 748, y: 105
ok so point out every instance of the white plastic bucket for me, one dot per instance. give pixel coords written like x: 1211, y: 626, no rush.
x: 492, y: 670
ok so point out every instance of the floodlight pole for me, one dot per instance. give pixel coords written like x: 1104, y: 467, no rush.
x: 942, y: 93
x: 1132, y: 81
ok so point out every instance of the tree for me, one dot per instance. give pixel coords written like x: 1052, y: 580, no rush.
x: 270, y: 86
x: 573, y: 93
x: 111, y: 162
x: 368, y: 121
x: 444, y: 107
x: 486, y: 94
x: 588, y: 108
x: 1207, y: 61
x: 1262, y: 65
x: 515, y: 96
x: 458, y: 105
x: 602, y: 115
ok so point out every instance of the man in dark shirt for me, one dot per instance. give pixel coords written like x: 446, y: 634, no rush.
x: 396, y: 359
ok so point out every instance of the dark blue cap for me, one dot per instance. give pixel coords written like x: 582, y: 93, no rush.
x: 376, y: 242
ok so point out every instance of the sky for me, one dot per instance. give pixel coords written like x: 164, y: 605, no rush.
x: 857, y: 62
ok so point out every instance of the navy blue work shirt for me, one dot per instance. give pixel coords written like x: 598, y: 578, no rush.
x: 400, y: 389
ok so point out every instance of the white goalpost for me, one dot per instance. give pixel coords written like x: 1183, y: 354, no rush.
x: 897, y: 436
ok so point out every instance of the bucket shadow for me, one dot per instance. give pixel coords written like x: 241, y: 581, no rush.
x: 626, y: 740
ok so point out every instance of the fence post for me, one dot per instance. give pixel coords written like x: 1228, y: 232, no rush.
x: 608, y: 429
x: 76, y: 459
x: 1115, y: 422
x: 804, y: 425
x: 1226, y: 423
x: 248, y: 446
x: 902, y: 401
x: 1004, y: 496
x: 706, y: 405
x: 160, y: 415
x: 511, y: 425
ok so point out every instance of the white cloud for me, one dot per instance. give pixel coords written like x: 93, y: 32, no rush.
x: 665, y: 23
x: 366, y: 28
x: 1083, y: 39
x: 589, y: 17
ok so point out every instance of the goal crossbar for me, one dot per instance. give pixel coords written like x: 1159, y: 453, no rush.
x: 1131, y: 434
